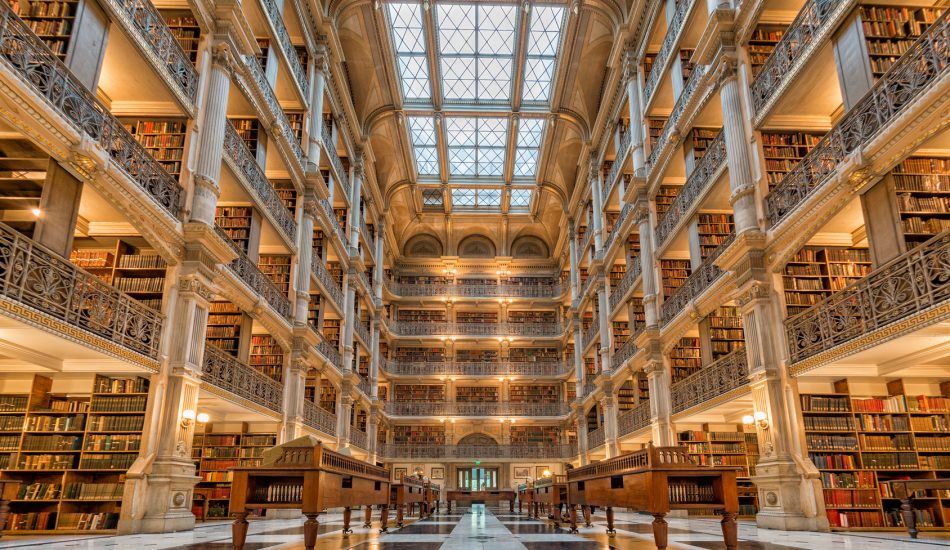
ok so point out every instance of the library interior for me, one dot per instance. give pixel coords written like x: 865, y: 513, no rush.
x: 471, y: 274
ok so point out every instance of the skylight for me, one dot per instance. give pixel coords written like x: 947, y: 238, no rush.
x: 476, y: 198
x: 422, y: 134
x: 528, y: 146
x: 476, y: 51
x: 409, y: 43
x: 544, y: 38
x: 476, y: 146
x: 520, y: 198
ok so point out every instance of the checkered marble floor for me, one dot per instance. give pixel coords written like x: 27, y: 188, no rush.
x: 481, y: 528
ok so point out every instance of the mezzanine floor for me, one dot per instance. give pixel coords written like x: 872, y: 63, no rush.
x: 481, y: 529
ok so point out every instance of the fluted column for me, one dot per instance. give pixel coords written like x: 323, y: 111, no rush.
x: 572, y: 248
x: 738, y: 155
x: 321, y: 67
x: 374, y: 359
x: 609, y: 403
x: 372, y: 428
x: 344, y: 410
x: 305, y: 258
x: 606, y: 334
x: 633, y: 104
x: 349, y: 320
x: 214, y: 110
x: 582, y: 437
x: 647, y: 264
x: 295, y: 382
x: 596, y: 185
x: 578, y: 357
x: 658, y: 378
x: 356, y: 191
x: 379, y: 267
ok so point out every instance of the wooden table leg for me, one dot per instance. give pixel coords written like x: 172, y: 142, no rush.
x: 449, y: 504
x: 511, y: 506
x: 660, y: 531
x: 399, y: 513
x: 573, y: 513
x: 730, y: 531
x: 347, y: 515
x: 310, y: 529
x: 910, y: 519
x: 239, y: 530
x: 586, y: 510
x: 610, y: 521
x: 384, y: 519
x: 368, y: 517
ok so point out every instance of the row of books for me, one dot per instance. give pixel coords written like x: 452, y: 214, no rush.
x: 52, y: 443
x: 116, y: 423
x: 140, y: 284
x: 898, y: 442
x: 838, y: 498
x: 115, y: 461
x: 93, y: 491
x: 278, y: 492
x: 56, y: 423
x: 127, y: 442
x: 823, y: 442
x: 916, y: 224
x: 120, y: 404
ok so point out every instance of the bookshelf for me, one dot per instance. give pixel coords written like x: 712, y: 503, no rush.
x: 859, y: 441
x: 530, y: 281
x: 328, y: 396
x: 422, y: 315
x: 277, y: 269
x: 419, y: 355
x: 418, y: 392
x: 633, y: 245
x: 714, y: 229
x: 235, y: 221
x: 163, y: 138
x: 532, y: 355
x: 313, y: 310
x: 303, y: 57
x: 664, y: 199
x: 725, y: 331
x: 288, y: 194
x: 71, y: 453
x: 249, y: 130
x: 264, y: 45
x: 590, y: 366
x: 476, y: 317
x: 889, y: 31
x: 686, y: 68
x: 815, y: 272
x: 51, y: 21
x: 699, y: 140
x: 544, y: 317
x: 782, y: 151
x: 616, y: 273
x: 655, y: 128
x: 637, y: 313
x: 137, y: 271
x: 476, y: 355
x: 267, y: 356
x: 535, y: 435
x: 594, y: 418
x: 648, y: 60
x: 224, y: 326
x: 214, y: 453
x: 184, y: 27
x: 621, y: 333
x: 631, y: 392
x: 922, y: 187
x: 718, y: 446
x: 423, y: 279
x: 332, y: 330
x: 419, y: 435
x: 477, y: 394
x: 525, y: 393
x: 319, y: 240
x: 761, y: 44
x: 674, y: 274
x: 295, y: 118
x: 685, y: 358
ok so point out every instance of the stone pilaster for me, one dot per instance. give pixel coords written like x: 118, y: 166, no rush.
x: 596, y: 192
x: 609, y: 404
x: 295, y: 383
x: 304, y: 259
x: 658, y: 378
x: 380, y: 261
x: 572, y: 249
x: 344, y: 411
x: 651, y: 307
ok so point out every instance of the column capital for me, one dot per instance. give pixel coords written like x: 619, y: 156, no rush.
x: 223, y: 57
x: 191, y: 285
x: 630, y: 63
x: 726, y: 70
x: 321, y: 57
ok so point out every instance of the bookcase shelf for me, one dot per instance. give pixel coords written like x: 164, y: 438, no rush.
x: 277, y: 269
x: 224, y: 326
x: 418, y: 392
x: 532, y: 355
x: 621, y: 333
x: 815, y: 272
x: 476, y: 355
x: 184, y: 27
x: 163, y: 138
x: 535, y: 435
x: 714, y: 229
x: 889, y: 31
x: 52, y: 21
x: 782, y: 151
x: 712, y: 448
x: 331, y: 331
x: 267, y: 356
x: 287, y: 193
x: 422, y: 315
x: 476, y: 394
x: 214, y: 453
x: 725, y: 331
x: 762, y: 43
x: 419, y: 435
x: 139, y: 272
x: 524, y: 393
x: 476, y: 317
x: 922, y: 185
x: 685, y: 358
x: 686, y: 67
x: 249, y: 130
x: 655, y: 128
x: 699, y: 141
x: 236, y: 223
x: 664, y: 199
x: 313, y: 310
x: 419, y: 355
x: 546, y: 317
x: 674, y: 273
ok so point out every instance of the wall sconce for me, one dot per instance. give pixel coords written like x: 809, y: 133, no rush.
x: 758, y: 418
x: 36, y: 212
x: 546, y: 473
x: 188, y: 418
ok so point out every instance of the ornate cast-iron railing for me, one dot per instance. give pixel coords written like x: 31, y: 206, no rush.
x: 925, y: 62
x: 589, y: 284
x: 625, y: 212
x: 330, y: 351
x: 250, y: 171
x: 552, y: 451
x: 364, y: 386
x: 358, y: 438
x: 331, y: 218
x: 154, y: 32
x: 596, y: 438
x: 697, y: 283
x: 585, y: 240
x: 592, y: 331
x: 287, y: 46
x: 327, y: 280
x: 280, y: 118
x: 692, y: 84
x: 635, y: 419
x: 696, y: 185
x: 39, y: 69
x: 589, y: 387
x: 622, y: 150
x: 247, y: 271
x: 330, y: 146
x: 224, y: 371
x: 626, y: 351
x: 318, y: 418
x: 674, y: 30
x: 633, y: 273
x: 367, y: 285
x: 815, y: 19
x: 439, y: 368
x: 714, y: 380
x: 501, y: 408
x: 421, y: 328
x: 907, y: 285
x: 476, y: 291
x: 37, y: 278
x: 361, y: 331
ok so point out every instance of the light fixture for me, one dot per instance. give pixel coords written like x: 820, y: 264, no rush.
x: 758, y: 418
x: 36, y: 212
x: 188, y: 417
x: 501, y: 378
x: 442, y: 338
x: 502, y: 420
x: 546, y: 473
x: 501, y: 339
x: 453, y: 379
x: 442, y: 378
x: 453, y: 421
x: 203, y: 418
x: 442, y: 420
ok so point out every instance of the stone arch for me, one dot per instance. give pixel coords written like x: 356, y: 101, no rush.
x: 423, y: 246
x: 476, y: 246
x: 529, y: 246
x: 478, y: 438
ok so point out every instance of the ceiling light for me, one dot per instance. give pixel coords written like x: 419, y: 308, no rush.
x: 36, y: 212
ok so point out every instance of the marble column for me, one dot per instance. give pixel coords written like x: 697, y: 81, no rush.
x: 572, y: 248
x: 378, y: 268
x: 658, y: 378
x: 606, y: 333
x: 321, y: 68
x: 609, y: 404
x: 633, y: 104
x: 214, y: 110
x: 304, y: 258
x: 295, y: 383
x: 374, y: 358
x: 596, y: 190
x: 647, y: 264
x: 356, y: 192
x: 344, y: 411
x: 738, y: 154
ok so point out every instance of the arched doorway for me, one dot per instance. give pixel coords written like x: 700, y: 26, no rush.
x: 478, y: 477
x: 477, y: 439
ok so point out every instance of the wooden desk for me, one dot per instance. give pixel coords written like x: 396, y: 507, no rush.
x: 302, y: 474
x: 550, y: 495
x: 433, y: 495
x: 526, y: 496
x: 904, y: 489
x: 499, y: 495
x: 409, y: 491
x: 655, y: 480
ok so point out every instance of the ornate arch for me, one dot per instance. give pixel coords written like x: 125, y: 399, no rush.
x: 529, y: 246
x: 423, y: 246
x: 476, y: 246
x: 478, y: 438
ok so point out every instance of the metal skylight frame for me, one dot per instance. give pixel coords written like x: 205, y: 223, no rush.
x: 409, y: 41
x: 544, y: 44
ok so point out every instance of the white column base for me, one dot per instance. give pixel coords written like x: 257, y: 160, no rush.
x: 781, y: 491
x: 167, y: 499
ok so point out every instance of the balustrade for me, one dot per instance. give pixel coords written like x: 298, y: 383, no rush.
x: 358, y: 438
x: 445, y: 368
x: 666, y: 134
x: 595, y: 438
x: 501, y: 408
x: 617, y: 293
x: 421, y: 328
x: 924, y: 63
x: 697, y: 283
x: 592, y: 332
x: 248, y: 272
x: 361, y: 331
x: 276, y: 19
x: 318, y: 418
x: 476, y: 291
x: 280, y: 118
x: 331, y: 219
x: 712, y: 381
x: 395, y: 451
x: 615, y: 232
x: 673, y: 33
x: 330, y: 351
x: 330, y: 146
x: 619, y: 158
x: 225, y: 372
x: 910, y: 284
x: 327, y: 281
x: 626, y: 351
x: 635, y: 419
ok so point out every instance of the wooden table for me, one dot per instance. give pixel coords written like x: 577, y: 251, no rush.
x: 459, y: 496
x: 409, y: 491
x: 904, y: 489
x: 526, y: 496
x: 8, y: 491
x: 550, y: 495
x: 433, y: 494
x: 301, y: 474
x: 655, y: 480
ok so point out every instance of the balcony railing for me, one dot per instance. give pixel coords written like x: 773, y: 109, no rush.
x: 815, y: 19
x: 365, y: 386
x: 588, y: 284
x: 248, y: 170
x: 595, y: 438
x: 696, y: 185
x: 697, y: 283
x: 615, y: 232
x: 317, y: 418
x: 617, y: 165
x: 922, y: 65
x: 248, y: 272
x: 674, y: 30
x: 404, y: 451
x: 503, y: 408
x: 225, y: 372
x: 592, y: 331
x: 367, y: 285
x: 635, y: 419
x: 585, y: 240
x: 330, y: 350
x: 626, y: 351
x: 908, y: 285
x: 280, y: 118
x: 712, y: 381
x: 695, y: 77
x: 331, y: 217
x: 287, y: 47
x: 420, y: 328
x: 445, y: 368
x: 358, y: 438
x: 25, y: 55
x: 36, y: 278
x: 589, y: 387
x: 361, y: 331
x: 327, y: 280
x: 617, y: 293
x: 341, y: 176
x: 476, y: 291
x: 153, y: 33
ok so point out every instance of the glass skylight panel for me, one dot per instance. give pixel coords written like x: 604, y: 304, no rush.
x: 468, y: 197
x: 544, y: 37
x: 409, y: 43
x: 476, y: 50
x: 465, y: 198
x: 520, y: 198
x: 528, y: 146
x: 422, y: 134
x: 476, y: 146
x: 432, y: 198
